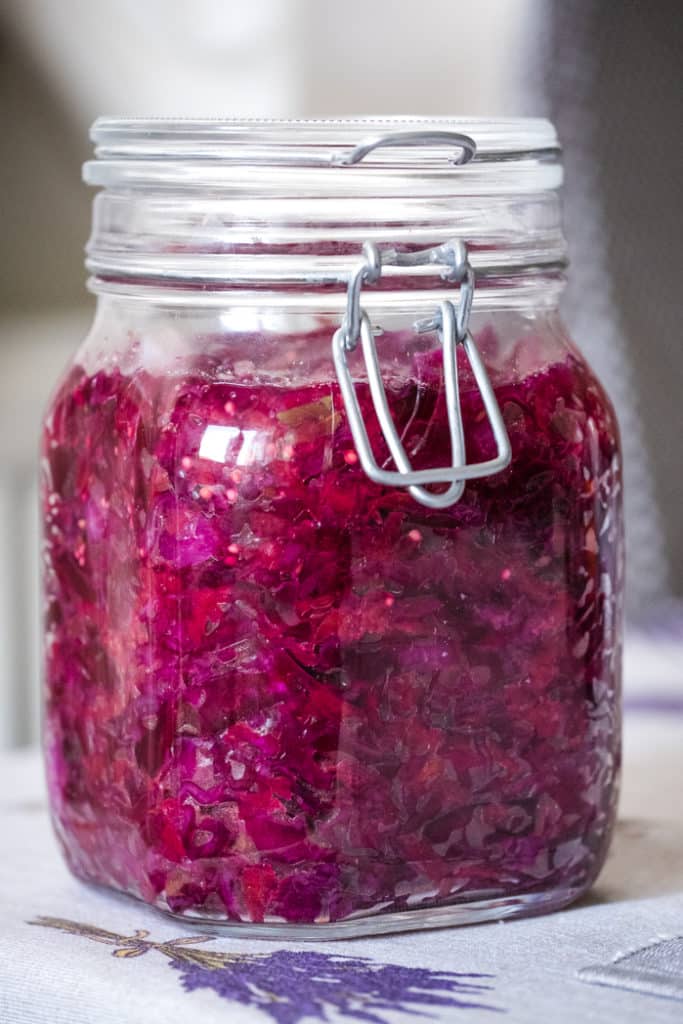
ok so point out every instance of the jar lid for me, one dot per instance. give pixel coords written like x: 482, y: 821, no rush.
x: 276, y: 204
x: 514, y: 153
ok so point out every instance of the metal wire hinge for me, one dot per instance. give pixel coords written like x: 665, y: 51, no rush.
x: 452, y: 324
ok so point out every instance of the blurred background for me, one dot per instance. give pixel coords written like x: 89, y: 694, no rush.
x: 608, y: 72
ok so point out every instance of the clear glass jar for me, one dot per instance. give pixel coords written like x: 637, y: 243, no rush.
x: 282, y: 696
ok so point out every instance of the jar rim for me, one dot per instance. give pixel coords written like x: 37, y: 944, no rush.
x: 156, y: 151
x: 493, y: 135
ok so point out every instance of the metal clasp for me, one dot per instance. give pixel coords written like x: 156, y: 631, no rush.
x: 465, y: 145
x: 452, y: 325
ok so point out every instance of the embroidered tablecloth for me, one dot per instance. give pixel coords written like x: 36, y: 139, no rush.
x: 71, y: 954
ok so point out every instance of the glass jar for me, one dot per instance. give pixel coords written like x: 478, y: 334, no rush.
x: 333, y: 603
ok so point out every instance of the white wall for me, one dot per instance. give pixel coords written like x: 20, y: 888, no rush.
x: 281, y: 57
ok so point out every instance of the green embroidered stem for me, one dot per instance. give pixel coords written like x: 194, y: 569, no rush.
x: 137, y: 944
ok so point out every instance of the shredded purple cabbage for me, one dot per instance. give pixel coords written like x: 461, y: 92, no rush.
x: 278, y: 691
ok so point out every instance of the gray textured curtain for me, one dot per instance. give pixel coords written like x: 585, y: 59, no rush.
x: 611, y: 74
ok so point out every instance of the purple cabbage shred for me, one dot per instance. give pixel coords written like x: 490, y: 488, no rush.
x: 280, y: 692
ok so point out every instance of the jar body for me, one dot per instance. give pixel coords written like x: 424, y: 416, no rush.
x: 280, y: 694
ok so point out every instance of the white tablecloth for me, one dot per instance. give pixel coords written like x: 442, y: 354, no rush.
x: 616, y: 957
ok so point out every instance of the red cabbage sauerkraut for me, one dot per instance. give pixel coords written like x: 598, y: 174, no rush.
x: 280, y: 692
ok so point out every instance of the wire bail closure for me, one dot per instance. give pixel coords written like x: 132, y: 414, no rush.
x: 465, y: 146
x: 451, y: 322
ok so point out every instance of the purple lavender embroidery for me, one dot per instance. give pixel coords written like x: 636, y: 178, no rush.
x: 292, y: 986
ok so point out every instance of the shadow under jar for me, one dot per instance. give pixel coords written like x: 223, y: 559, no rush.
x: 289, y: 689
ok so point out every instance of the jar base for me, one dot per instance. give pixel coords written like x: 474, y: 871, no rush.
x: 473, y: 912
